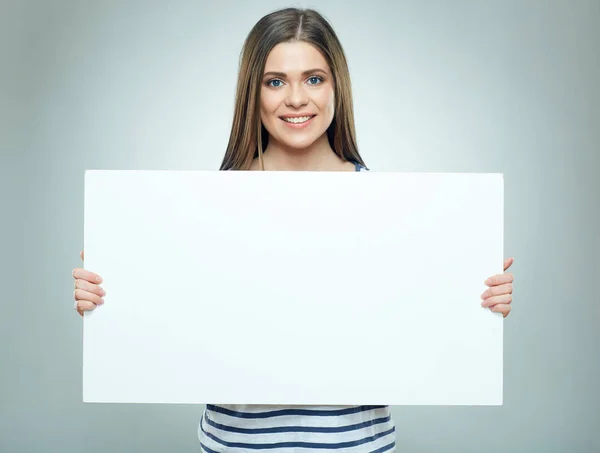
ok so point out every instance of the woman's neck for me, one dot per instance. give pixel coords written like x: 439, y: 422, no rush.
x: 317, y: 157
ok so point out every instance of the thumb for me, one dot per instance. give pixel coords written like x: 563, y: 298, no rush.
x: 81, y: 255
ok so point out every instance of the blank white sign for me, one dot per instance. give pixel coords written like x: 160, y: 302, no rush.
x: 290, y: 288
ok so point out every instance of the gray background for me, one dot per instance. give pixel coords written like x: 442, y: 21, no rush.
x: 466, y: 86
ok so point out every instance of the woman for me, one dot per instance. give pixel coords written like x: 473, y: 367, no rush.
x: 293, y: 111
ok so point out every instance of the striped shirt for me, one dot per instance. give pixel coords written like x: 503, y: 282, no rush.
x: 288, y: 429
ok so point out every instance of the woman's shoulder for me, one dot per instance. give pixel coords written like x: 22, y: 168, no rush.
x: 359, y: 167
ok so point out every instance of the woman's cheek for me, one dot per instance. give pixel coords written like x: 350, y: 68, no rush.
x: 265, y: 119
x: 329, y: 102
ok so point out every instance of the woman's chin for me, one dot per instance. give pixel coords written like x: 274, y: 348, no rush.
x: 298, y: 143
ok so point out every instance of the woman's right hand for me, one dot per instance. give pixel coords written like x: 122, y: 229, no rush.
x: 88, y: 295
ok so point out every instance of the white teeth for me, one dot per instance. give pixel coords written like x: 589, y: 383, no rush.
x: 300, y: 119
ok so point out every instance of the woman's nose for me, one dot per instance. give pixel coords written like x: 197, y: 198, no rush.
x: 297, y: 97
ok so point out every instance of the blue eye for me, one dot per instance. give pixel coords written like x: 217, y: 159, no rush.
x: 276, y: 83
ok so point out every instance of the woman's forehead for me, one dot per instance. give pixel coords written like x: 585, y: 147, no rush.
x: 293, y: 58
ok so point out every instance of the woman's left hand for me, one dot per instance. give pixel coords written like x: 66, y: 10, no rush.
x: 498, y: 296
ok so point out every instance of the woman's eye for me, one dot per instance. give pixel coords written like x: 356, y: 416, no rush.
x: 276, y: 83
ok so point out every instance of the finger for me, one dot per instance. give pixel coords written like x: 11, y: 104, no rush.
x: 81, y: 273
x: 84, y: 305
x: 500, y: 279
x: 508, y: 262
x: 502, y: 308
x: 90, y: 287
x: 80, y: 294
x: 507, y: 288
x: 81, y: 255
x: 495, y: 300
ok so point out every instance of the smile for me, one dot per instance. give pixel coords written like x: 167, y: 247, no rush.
x: 298, y: 121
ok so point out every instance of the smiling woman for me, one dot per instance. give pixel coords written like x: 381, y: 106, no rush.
x: 294, y: 111
x: 293, y: 105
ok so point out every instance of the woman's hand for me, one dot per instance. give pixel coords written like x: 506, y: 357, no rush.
x: 498, y: 296
x: 88, y: 295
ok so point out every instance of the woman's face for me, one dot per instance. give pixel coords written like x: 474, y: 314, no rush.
x: 297, y: 95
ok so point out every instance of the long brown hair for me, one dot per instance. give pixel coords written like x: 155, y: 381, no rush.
x: 248, y: 137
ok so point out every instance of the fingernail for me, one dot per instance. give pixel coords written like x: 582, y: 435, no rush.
x: 487, y: 282
x: 98, y: 279
x: 101, y: 301
x: 483, y: 294
x: 102, y: 293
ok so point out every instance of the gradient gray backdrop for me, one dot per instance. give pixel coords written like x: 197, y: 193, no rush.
x: 505, y: 86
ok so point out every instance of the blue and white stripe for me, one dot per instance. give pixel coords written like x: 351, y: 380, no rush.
x: 286, y: 429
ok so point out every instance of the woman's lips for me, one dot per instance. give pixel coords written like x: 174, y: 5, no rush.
x: 299, y: 125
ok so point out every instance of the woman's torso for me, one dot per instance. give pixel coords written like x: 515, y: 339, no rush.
x: 286, y: 429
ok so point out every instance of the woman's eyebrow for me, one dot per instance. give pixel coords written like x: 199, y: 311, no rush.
x: 283, y: 74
